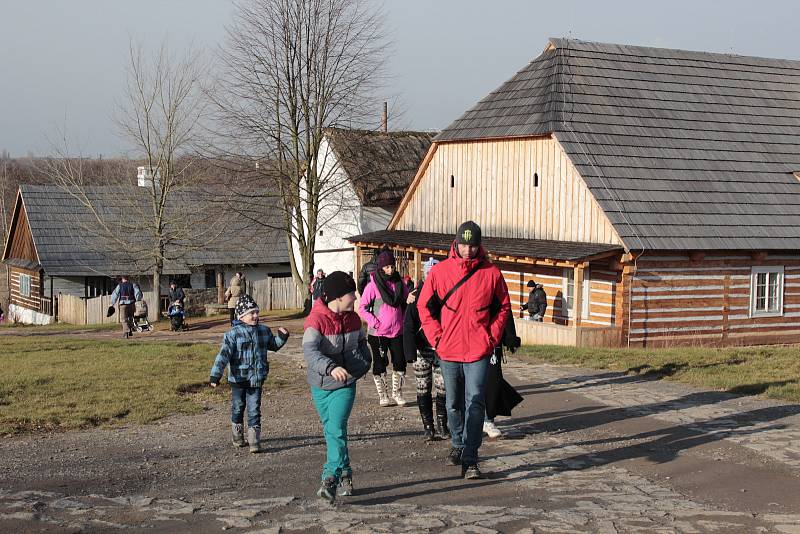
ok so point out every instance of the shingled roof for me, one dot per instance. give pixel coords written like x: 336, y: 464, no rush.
x: 381, y: 165
x: 682, y: 150
x: 67, y: 246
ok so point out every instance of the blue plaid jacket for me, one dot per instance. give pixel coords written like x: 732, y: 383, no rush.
x: 245, y: 348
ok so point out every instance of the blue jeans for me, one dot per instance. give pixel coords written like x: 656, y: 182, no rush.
x: 334, y: 409
x: 465, y: 386
x: 252, y: 398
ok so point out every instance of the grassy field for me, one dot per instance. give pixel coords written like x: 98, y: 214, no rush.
x: 771, y: 371
x: 57, y: 383
x: 58, y: 327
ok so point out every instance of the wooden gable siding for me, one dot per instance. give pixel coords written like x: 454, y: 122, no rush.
x: 33, y: 301
x: 493, y: 184
x: 677, y: 301
x: 602, y: 295
x: 20, y: 240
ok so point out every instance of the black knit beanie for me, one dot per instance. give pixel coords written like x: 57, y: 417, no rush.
x: 468, y: 233
x: 245, y: 305
x: 337, y: 284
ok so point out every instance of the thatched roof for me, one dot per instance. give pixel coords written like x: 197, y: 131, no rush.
x: 381, y: 165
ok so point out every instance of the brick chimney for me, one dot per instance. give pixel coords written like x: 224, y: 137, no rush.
x: 385, y: 118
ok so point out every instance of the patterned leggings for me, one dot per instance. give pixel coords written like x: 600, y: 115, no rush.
x: 428, y: 374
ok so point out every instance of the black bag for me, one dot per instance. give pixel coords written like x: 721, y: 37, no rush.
x: 110, y: 311
x: 435, y: 304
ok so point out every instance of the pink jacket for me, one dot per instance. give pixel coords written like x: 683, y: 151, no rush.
x: 382, y: 319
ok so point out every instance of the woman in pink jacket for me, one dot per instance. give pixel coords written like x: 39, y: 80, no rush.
x: 383, y: 304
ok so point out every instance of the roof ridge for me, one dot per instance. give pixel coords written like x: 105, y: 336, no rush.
x: 630, y: 49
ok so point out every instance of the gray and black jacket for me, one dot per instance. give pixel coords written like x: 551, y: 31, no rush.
x: 334, y: 340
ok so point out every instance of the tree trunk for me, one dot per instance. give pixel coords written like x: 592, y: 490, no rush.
x: 154, y: 308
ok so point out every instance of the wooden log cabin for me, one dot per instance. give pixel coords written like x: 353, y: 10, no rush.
x: 52, y: 250
x: 670, y: 175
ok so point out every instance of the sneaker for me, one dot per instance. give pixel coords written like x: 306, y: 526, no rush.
x: 327, y: 490
x: 346, y: 485
x: 454, y: 458
x: 471, y: 472
x: 490, y: 429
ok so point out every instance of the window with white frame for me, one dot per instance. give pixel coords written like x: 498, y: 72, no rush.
x: 766, y: 291
x: 568, y: 301
x: 568, y: 294
x: 25, y: 285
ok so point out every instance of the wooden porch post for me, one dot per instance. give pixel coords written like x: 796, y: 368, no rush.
x: 578, y: 301
x: 417, y: 266
x: 220, y: 287
x: 358, y: 262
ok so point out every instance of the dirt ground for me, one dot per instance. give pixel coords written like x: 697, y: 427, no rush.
x: 587, y: 451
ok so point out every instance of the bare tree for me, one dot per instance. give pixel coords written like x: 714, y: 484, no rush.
x: 155, y: 220
x: 292, y: 68
x: 5, y: 221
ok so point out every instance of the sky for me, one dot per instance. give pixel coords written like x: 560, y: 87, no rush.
x: 62, y: 62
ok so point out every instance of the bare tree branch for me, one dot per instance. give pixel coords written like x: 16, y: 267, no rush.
x: 293, y: 68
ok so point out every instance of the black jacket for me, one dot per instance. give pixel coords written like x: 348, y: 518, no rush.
x: 537, y: 301
x: 366, y: 271
x: 176, y: 294
x: 413, y: 336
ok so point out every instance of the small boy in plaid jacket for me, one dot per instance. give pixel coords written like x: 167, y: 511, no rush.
x: 244, y: 349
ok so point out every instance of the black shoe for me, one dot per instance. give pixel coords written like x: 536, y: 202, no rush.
x: 471, y: 472
x: 430, y: 433
x: 441, y: 417
x: 454, y: 458
x: 327, y: 490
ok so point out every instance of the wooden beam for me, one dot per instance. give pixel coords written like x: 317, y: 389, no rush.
x: 759, y: 255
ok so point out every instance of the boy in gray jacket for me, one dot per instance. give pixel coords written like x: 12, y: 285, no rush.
x: 336, y: 351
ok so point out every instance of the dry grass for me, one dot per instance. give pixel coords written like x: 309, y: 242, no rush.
x: 57, y: 383
x: 771, y: 371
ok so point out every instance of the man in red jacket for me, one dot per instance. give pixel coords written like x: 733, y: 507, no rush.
x: 464, y: 335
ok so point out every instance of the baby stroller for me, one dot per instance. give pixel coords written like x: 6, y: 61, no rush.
x: 140, y: 322
x: 176, y: 317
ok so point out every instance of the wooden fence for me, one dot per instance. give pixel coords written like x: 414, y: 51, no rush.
x: 535, y: 333
x: 76, y: 310
x: 276, y: 294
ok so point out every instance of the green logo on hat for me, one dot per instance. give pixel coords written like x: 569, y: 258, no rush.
x: 467, y: 235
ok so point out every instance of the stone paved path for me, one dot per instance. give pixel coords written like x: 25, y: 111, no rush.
x: 593, y: 452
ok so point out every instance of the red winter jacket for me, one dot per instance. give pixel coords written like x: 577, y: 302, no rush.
x: 466, y: 332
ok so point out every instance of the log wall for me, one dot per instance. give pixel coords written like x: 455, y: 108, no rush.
x: 706, y: 301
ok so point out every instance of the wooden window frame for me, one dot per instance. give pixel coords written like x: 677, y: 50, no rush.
x: 768, y: 270
x: 25, y: 287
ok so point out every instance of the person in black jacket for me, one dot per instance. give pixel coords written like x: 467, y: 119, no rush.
x: 176, y: 294
x: 501, y: 397
x: 427, y: 373
x: 537, y: 302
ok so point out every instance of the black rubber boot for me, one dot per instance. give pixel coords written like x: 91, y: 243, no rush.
x: 441, y: 417
x: 425, y: 404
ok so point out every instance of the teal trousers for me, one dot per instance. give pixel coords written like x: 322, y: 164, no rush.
x: 334, y: 409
